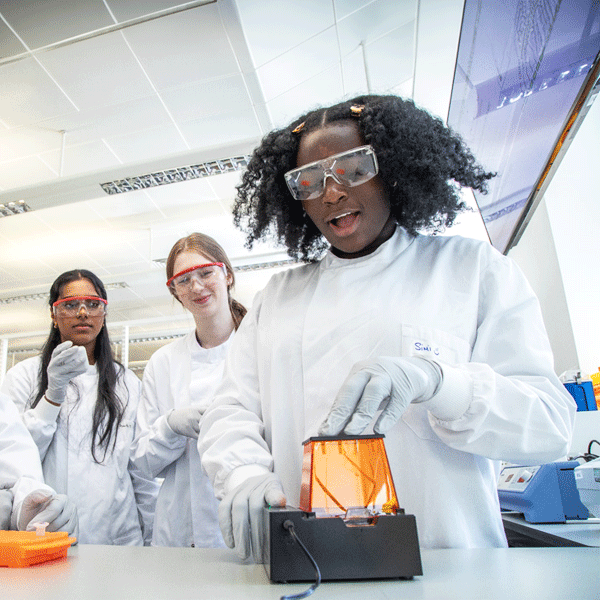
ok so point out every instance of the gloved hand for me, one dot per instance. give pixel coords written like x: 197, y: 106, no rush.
x: 41, y: 506
x: 383, y: 382
x: 66, y: 363
x: 241, y: 515
x: 6, y: 502
x: 185, y: 421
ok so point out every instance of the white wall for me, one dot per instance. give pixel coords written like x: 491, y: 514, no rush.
x: 536, y: 256
x: 560, y: 252
x: 573, y: 202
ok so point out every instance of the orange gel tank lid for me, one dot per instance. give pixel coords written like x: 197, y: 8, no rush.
x: 347, y: 473
x: 26, y: 548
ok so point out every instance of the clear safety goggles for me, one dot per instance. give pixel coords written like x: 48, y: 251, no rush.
x: 70, y: 307
x: 203, y: 274
x: 351, y: 168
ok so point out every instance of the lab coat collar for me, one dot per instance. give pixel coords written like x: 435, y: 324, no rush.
x: 207, y: 355
x: 399, y: 241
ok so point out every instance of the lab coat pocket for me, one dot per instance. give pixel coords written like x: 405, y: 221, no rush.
x: 437, y: 345
x: 123, y: 446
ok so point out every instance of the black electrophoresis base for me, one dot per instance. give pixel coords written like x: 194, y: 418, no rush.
x: 389, y: 549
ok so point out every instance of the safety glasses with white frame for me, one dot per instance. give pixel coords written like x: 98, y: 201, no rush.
x: 183, y: 281
x: 351, y: 168
x: 71, y: 307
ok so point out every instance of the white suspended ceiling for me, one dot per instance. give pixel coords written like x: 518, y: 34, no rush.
x: 98, y: 90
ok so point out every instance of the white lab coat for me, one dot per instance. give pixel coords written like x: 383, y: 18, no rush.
x: 115, y: 502
x: 178, y: 375
x: 20, y: 466
x: 455, y: 300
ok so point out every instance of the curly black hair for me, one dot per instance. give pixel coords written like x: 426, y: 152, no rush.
x: 422, y: 165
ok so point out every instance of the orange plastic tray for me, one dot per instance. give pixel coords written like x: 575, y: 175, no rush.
x: 26, y: 548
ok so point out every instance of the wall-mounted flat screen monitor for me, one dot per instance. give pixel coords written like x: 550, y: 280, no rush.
x: 525, y: 69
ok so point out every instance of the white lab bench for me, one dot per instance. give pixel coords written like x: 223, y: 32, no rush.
x: 572, y: 533
x: 148, y: 573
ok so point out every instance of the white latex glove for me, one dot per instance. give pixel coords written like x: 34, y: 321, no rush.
x: 384, y: 383
x: 185, y: 421
x: 241, y: 514
x: 6, y: 502
x: 66, y: 363
x: 41, y: 506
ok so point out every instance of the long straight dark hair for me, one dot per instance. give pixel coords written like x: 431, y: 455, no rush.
x: 109, y: 408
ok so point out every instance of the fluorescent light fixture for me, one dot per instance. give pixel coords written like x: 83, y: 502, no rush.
x: 154, y: 338
x: 206, y: 169
x: 44, y: 295
x: 13, y: 208
x: 25, y: 298
x: 249, y: 267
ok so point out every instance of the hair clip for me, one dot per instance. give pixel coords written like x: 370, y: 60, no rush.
x: 357, y: 109
x: 299, y: 128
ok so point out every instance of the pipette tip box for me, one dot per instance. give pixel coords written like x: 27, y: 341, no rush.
x: 27, y: 548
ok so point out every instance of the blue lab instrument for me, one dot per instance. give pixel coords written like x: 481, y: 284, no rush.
x: 544, y: 493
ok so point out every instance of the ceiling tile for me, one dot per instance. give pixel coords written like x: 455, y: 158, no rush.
x: 82, y: 158
x: 220, y: 129
x: 174, y: 53
x: 343, y: 8
x: 41, y: 23
x: 17, y: 226
x: 112, y: 208
x: 272, y: 30
x: 298, y: 65
x: 373, y: 21
x: 118, y: 119
x: 320, y: 90
x: 125, y: 10
x: 30, y: 169
x: 29, y: 95
x: 147, y: 144
x: 224, y: 185
x: 25, y: 141
x: 390, y: 59
x: 354, y: 73
x: 97, y: 72
x: 202, y: 99
x: 9, y: 43
x: 193, y: 191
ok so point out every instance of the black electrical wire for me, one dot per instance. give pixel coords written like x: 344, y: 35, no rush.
x: 289, y: 525
x: 589, y: 450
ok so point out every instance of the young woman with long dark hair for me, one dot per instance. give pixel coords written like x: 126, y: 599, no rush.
x: 79, y: 405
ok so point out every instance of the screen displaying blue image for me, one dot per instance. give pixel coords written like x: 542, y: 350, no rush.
x: 520, y: 69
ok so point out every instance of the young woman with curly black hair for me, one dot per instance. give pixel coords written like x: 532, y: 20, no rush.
x: 438, y: 342
x: 79, y: 405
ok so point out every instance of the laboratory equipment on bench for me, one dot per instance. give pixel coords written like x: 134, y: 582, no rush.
x: 349, y: 520
x: 543, y: 493
x: 587, y: 479
x: 583, y: 394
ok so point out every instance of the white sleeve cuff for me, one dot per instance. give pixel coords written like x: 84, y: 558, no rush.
x: 170, y: 436
x: 45, y: 411
x: 241, y: 474
x: 453, y: 397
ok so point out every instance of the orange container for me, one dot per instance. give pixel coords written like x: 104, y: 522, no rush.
x: 595, y: 377
x: 26, y: 548
x: 347, y: 474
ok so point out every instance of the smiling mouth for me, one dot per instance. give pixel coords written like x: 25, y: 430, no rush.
x: 344, y: 220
